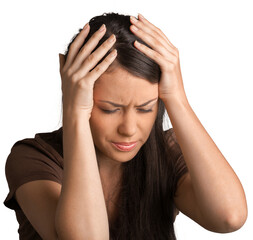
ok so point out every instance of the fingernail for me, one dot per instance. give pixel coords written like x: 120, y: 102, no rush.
x: 112, y: 38
x: 85, y: 26
x: 102, y: 28
x: 140, y: 16
x: 114, y: 53
x: 137, y: 43
x: 133, y: 19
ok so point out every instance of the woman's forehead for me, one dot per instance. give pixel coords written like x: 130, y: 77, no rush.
x: 124, y: 92
x: 122, y: 81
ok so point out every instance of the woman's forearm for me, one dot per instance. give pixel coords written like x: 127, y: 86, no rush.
x: 218, y: 191
x: 81, y: 211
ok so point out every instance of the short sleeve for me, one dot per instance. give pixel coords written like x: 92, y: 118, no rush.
x: 178, y: 163
x: 28, y: 161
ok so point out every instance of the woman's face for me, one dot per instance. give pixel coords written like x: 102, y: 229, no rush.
x: 125, y: 124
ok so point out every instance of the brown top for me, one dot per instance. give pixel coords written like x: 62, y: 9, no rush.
x: 41, y: 158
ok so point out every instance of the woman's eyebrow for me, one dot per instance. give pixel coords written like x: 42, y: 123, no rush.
x: 119, y: 105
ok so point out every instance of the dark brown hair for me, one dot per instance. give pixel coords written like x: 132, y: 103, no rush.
x: 146, y: 209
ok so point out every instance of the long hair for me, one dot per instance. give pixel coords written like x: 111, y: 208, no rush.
x: 146, y: 209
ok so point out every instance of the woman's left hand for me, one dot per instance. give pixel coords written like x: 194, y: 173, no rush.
x: 164, y: 53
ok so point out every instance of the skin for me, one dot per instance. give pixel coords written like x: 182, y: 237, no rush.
x: 127, y: 124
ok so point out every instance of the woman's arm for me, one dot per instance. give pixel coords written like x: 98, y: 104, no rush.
x: 81, y: 211
x: 211, y: 193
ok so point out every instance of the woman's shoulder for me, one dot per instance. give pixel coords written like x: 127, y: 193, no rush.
x: 44, y: 143
x: 52, y: 142
x: 33, y: 159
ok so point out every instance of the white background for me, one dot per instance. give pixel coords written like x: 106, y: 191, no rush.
x: 214, y: 39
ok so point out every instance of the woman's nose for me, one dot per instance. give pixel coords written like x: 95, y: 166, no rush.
x: 128, y: 125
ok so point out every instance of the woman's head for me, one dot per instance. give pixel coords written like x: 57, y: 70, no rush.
x: 146, y: 209
x: 132, y: 79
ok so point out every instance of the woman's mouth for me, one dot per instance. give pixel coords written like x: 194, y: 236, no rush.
x: 124, y: 147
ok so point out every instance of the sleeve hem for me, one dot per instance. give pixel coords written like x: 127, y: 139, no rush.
x: 10, y: 201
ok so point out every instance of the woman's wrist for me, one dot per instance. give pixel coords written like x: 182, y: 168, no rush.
x: 74, y: 116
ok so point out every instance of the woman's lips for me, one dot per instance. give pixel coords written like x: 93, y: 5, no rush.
x: 124, y: 146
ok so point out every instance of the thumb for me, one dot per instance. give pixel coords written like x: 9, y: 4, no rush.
x: 61, y: 60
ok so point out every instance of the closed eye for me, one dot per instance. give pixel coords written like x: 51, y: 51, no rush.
x: 141, y: 110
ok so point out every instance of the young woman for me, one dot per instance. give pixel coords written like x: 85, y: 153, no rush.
x: 111, y: 171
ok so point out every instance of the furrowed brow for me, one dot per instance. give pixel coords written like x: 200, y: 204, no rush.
x: 119, y: 105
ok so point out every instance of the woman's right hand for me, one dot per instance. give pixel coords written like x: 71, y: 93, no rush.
x: 77, y: 80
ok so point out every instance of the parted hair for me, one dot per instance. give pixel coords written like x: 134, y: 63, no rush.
x: 146, y: 207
